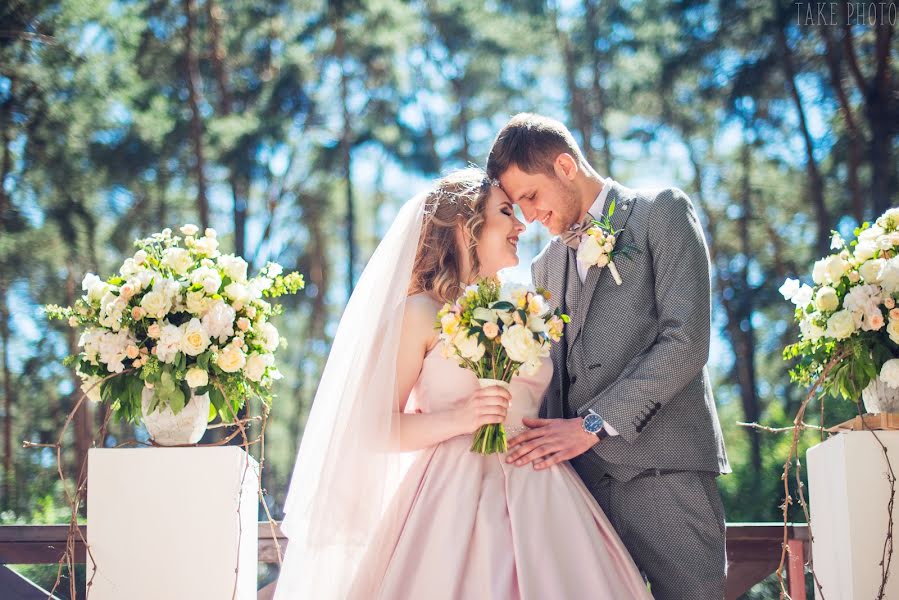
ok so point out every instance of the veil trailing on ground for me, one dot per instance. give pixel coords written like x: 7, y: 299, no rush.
x: 348, y: 465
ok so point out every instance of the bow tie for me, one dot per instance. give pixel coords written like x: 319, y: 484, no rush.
x: 572, y: 237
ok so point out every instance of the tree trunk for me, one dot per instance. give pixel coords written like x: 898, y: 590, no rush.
x: 816, y: 184
x: 239, y: 187
x: 575, y: 96
x: 9, y: 465
x: 879, y: 106
x: 192, y: 74
x: 599, y: 96
x: 855, y: 139
x: 346, y: 152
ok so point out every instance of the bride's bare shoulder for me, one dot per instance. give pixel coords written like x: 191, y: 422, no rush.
x: 421, y: 316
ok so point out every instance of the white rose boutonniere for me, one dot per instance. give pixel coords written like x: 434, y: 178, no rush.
x: 597, y: 247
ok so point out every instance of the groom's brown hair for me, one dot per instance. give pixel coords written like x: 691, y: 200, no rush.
x: 531, y: 142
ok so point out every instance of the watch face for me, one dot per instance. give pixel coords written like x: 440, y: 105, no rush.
x: 593, y: 423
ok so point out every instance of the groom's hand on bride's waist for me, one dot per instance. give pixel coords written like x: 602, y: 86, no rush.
x: 549, y: 442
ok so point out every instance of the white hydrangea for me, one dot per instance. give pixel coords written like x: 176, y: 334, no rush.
x: 219, y: 320
x: 113, y: 349
x: 889, y: 373
x: 169, y: 342
x: 889, y: 275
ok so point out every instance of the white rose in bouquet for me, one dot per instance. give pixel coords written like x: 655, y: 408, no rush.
x: 840, y: 325
x: 893, y: 330
x: 194, y: 338
x: 270, y: 337
x: 231, y: 359
x: 469, y: 346
x: 156, y: 303
x: 197, y: 303
x: 865, y: 250
x: 234, y: 267
x: 803, y: 297
x: 870, y: 270
x: 256, y: 365
x: 889, y: 275
x: 208, y: 277
x: 826, y: 299
x: 237, y: 292
x: 519, y: 343
x: 196, y: 377
x: 177, y: 259
x: 889, y: 373
x: 871, y: 234
x: 95, y: 287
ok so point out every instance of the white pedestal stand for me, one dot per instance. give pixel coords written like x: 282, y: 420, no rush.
x: 849, y: 490
x: 173, y: 523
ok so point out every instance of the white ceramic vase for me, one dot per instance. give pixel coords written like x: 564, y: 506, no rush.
x: 878, y: 397
x: 168, y: 429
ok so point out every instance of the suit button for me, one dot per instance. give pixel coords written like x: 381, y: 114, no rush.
x: 573, y: 379
x: 658, y: 405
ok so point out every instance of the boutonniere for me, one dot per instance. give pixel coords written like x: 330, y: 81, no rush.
x: 597, y: 247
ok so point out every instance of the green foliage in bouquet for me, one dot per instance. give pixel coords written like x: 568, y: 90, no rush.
x: 180, y: 318
x: 497, y: 331
x: 849, y: 316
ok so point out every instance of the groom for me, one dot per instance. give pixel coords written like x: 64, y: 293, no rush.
x: 630, y: 404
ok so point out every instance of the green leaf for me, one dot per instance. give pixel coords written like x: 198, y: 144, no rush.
x: 612, y: 209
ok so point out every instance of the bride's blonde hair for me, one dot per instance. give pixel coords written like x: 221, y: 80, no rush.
x: 459, y: 200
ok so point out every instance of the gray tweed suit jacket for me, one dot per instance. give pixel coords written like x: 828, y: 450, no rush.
x: 643, y: 345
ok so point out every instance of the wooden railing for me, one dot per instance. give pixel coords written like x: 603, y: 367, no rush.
x: 753, y: 553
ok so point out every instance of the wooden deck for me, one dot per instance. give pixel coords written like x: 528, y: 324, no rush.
x: 753, y: 553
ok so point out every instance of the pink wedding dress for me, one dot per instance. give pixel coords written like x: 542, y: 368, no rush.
x: 473, y: 526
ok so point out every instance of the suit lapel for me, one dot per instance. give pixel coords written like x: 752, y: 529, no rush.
x: 623, y: 208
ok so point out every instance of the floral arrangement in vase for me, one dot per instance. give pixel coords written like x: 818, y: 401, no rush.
x: 851, y: 313
x: 180, y: 325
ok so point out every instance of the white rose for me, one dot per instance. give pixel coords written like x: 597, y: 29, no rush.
x: 219, y: 320
x: 95, y: 287
x: 803, y: 296
x: 840, y: 325
x: 870, y: 270
x: 819, y: 271
x: 835, y: 267
x: 197, y: 303
x: 207, y: 277
x: 884, y: 243
x: 207, y: 245
x: 519, y: 343
x: 589, y: 251
x: 237, y: 292
x: 177, y: 259
x: 156, y: 304
x: 196, y: 377
x: 826, y: 299
x: 231, y: 359
x: 893, y: 330
x: 234, y: 267
x: 140, y: 257
x: 194, y: 338
x: 871, y: 233
x: 889, y: 276
x: 270, y: 337
x: 469, y: 346
x: 865, y: 250
x: 129, y: 267
x: 190, y: 229
x: 889, y: 373
x: 256, y: 365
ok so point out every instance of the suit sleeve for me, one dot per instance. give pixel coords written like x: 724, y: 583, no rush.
x: 680, y: 261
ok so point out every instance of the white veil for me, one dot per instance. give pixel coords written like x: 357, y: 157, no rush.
x: 348, y: 465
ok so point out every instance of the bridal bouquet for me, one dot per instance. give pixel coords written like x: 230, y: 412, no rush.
x: 498, y: 331
x: 850, y: 311
x: 181, y: 319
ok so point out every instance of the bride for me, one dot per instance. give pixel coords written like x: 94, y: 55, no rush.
x: 386, y: 500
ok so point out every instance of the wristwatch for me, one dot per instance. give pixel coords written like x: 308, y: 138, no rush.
x: 594, y: 424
